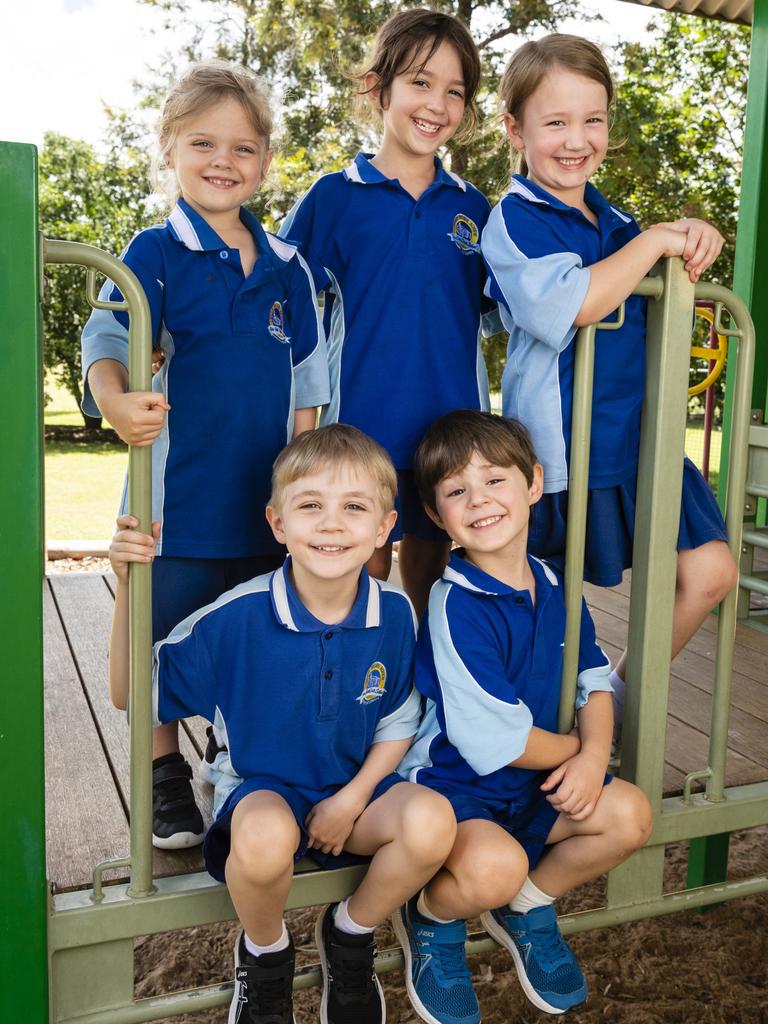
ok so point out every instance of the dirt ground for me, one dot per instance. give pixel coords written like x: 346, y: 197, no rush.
x: 685, y: 968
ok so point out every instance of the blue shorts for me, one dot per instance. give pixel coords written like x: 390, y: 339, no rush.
x: 411, y: 517
x: 182, y: 585
x: 218, y: 839
x: 611, y: 525
x: 529, y: 823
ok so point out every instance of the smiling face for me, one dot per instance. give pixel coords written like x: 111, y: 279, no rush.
x: 563, y: 133
x: 485, y: 508
x: 331, y: 522
x: 219, y: 160
x: 425, y: 104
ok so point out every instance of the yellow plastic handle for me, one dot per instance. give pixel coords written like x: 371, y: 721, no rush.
x: 718, y: 355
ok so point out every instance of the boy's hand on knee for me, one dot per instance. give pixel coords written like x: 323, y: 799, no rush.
x: 575, y: 787
x: 330, y: 821
x: 131, y: 545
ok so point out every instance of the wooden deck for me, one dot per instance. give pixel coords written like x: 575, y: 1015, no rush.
x: 87, y: 739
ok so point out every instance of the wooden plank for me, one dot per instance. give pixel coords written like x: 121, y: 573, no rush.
x: 85, y: 820
x: 85, y: 604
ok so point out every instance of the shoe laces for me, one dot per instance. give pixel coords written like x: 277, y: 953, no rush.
x: 550, y: 945
x: 267, y: 999
x: 352, y: 972
x: 173, y: 793
x: 452, y: 962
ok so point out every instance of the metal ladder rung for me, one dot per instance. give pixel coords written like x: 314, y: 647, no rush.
x: 756, y: 490
x: 757, y: 538
x: 754, y: 584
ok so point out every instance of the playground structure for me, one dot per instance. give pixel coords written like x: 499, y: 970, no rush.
x: 69, y: 956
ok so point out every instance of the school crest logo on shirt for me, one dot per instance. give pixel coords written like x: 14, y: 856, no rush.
x: 373, y: 684
x: 465, y: 234
x: 276, y: 326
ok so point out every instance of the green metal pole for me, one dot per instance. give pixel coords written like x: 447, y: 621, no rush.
x: 139, y: 505
x: 23, y: 960
x: 657, y: 520
x: 751, y: 267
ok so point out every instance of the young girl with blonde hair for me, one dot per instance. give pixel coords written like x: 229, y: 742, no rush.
x: 234, y: 313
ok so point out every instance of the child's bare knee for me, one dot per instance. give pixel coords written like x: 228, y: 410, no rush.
x: 263, y: 846
x: 632, y: 819
x: 428, y: 826
x: 492, y: 877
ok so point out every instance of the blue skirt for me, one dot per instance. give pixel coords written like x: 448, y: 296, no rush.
x: 611, y: 525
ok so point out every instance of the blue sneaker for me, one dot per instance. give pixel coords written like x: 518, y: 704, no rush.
x: 547, y: 969
x: 436, y: 973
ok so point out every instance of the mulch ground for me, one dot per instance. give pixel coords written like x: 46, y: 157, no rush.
x: 685, y: 968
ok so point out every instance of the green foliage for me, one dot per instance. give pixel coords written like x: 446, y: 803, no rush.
x: 85, y: 198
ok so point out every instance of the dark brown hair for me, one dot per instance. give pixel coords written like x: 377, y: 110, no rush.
x: 534, y: 60
x: 450, y: 442
x: 408, y: 40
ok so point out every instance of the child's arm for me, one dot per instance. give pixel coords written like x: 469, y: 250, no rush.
x: 303, y: 420
x: 576, y: 785
x: 613, y: 279
x: 128, y: 545
x: 547, y: 749
x: 330, y: 821
x: 137, y: 416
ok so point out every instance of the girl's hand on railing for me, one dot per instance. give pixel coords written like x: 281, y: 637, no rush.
x: 131, y: 545
x: 703, y: 243
x: 137, y: 416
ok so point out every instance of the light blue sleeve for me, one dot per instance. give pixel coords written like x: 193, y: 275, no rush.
x: 309, y: 351
x: 403, y: 701
x: 543, y: 294
x: 484, y: 719
x: 105, y: 335
x: 594, y: 666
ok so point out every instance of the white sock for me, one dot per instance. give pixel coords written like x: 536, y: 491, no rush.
x: 530, y: 897
x: 423, y: 910
x: 274, y: 947
x: 618, y: 696
x: 344, y: 922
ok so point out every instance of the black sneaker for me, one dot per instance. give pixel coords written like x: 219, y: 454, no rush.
x: 263, y: 986
x: 176, y: 821
x: 351, y: 991
x: 210, y: 764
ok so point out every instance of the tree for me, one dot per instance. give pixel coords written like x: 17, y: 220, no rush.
x: 85, y: 198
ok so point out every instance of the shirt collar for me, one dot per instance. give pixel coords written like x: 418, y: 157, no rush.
x: 363, y: 172
x: 534, y: 193
x: 194, y: 232
x: 467, y: 576
x: 291, y: 612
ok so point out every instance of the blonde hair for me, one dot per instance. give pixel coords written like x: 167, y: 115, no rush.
x: 204, y: 85
x: 331, y: 447
x: 408, y: 40
x: 533, y: 61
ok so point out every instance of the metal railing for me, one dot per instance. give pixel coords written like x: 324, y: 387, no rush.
x: 91, y: 933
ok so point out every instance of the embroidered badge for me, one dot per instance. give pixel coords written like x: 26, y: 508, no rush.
x: 373, y: 685
x: 276, y: 325
x: 465, y: 234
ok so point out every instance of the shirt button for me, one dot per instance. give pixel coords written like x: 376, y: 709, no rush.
x: 417, y: 215
x: 519, y: 600
x: 328, y: 675
x: 329, y: 636
x: 224, y: 254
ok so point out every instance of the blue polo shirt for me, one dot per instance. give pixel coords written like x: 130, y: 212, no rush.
x: 298, y: 702
x: 404, y: 282
x: 538, y: 251
x: 240, y: 354
x: 490, y: 662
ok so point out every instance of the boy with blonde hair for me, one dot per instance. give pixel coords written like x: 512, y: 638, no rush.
x: 307, y: 673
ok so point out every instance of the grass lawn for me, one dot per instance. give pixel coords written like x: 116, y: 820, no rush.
x: 83, y: 483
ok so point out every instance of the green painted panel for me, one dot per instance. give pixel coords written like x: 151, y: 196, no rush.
x: 23, y: 973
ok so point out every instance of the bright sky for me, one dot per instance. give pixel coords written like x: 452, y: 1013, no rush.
x: 59, y: 59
